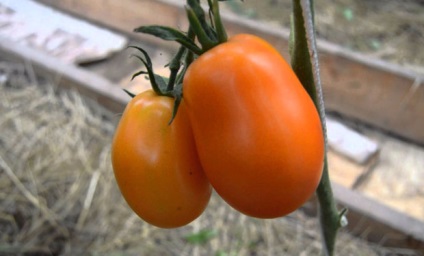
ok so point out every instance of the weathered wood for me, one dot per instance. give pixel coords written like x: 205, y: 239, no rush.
x: 117, y: 67
x: 71, y: 40
x: 125, y: 15
x: 67, y: 76
x: 343, y: 171
x: 385, y: 95
x: 376, y: 222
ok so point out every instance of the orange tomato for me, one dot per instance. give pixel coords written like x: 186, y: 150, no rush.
x: 257, y: 131
x: 156, y: 164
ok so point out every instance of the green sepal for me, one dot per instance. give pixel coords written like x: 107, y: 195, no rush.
x: 132, y: 95
x: 157, y: 82
x: 161, y: 82
x: 138, y: 73
x: 151, y: 75
x: 146, y: 55
x: 174, y: 66
x: 177, y: 93
x: 170, y: 34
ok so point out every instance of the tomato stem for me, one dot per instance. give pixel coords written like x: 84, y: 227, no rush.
x: 219, y: 26
x: 204, y: 40
x: 305, y: 64
x: 174, y: 67
x: 198, y: 10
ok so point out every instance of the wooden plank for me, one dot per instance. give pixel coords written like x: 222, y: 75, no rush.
x: 398, y: 179
x: 379, y: 223
x: 125, y: 15
x: 344, y: 171
x: 58, y: 34
x: 118, y: 66
x: 68, y: 76
x: 385, y: 95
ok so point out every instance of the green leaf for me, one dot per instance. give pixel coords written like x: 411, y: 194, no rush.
x: 170, y: 34
x: 222, y: 253
x: 161, y: 82
x: 348, y: 14
x: 158, y: 83
x: 375, y: 44
x: 201, y: 237
x: 137, y: 74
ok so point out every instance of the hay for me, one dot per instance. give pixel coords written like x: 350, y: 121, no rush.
x: 59, y: 197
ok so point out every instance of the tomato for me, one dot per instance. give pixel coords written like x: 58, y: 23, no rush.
x: 156, y: 164
x: 257, y: 131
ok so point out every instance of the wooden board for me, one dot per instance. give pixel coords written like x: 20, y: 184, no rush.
x: 379, y: 223
x: 58, y: 34
x: 354, y: 84
x: 398, y: 178
x: 345, y: 172
x: 67, y: 76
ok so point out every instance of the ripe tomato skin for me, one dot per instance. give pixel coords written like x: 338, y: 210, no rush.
x: 257, y: 131
x: 156, y: 165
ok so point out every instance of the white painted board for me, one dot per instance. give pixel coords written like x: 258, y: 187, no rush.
x: 72, y: 40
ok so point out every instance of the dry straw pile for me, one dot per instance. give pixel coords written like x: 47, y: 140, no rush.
x: 58, y: 195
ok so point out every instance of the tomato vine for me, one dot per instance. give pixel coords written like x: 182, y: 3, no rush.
x: 193, y: 77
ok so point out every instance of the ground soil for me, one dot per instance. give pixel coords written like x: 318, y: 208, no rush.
x: 392, y: 30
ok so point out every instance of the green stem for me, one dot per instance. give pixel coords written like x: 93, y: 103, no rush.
x: 305, y: 64
x: 328, y: 214
x: 300, y: 57
x: 189, y: 57
x: 203, y: 38
x: 200, y: 14
x: 219, y: 26
x: 174, y: 67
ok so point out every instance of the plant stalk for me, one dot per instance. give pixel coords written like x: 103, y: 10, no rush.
x: 304, y: 58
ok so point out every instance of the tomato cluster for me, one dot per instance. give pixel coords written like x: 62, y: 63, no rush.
x: 245, y: 127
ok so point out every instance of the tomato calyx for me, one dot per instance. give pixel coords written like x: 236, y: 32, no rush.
x: 209, y: 33
x: 162, y: 86
x: 157, y: 82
